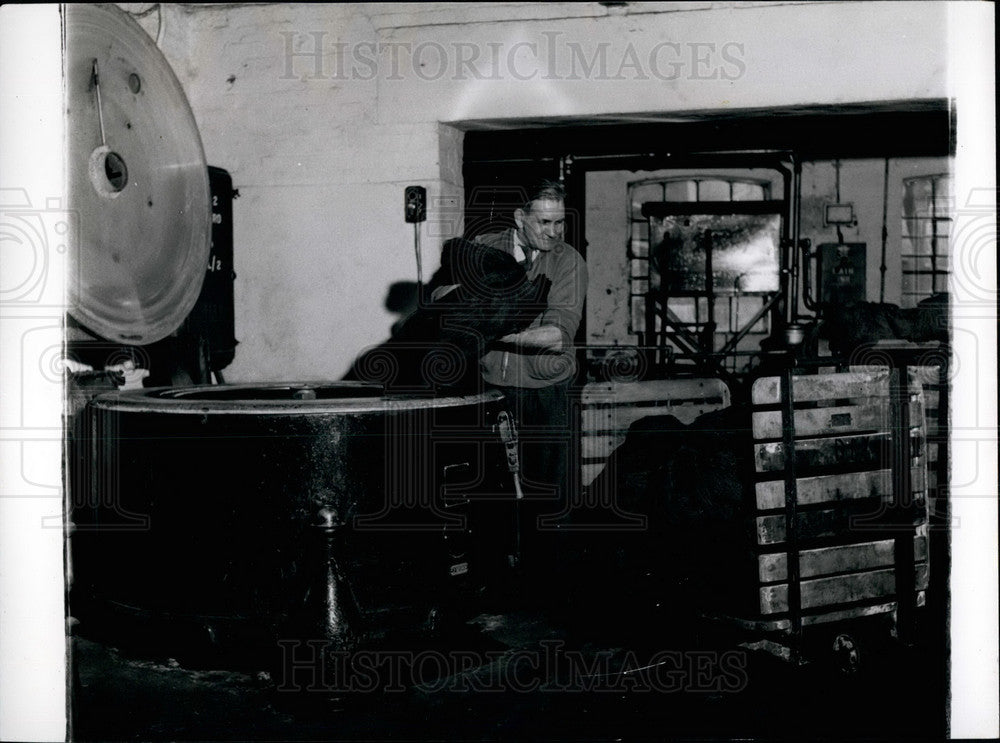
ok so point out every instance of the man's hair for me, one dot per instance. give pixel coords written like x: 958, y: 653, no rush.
x: 546, y: 189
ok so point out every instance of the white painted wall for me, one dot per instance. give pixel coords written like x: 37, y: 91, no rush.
x: 323, y: 113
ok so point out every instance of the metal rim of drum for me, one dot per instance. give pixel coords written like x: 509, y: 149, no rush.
x: 140, y: 198
x: 279, y: 397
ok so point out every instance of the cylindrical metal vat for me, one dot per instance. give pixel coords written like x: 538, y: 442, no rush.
x: 243, y: 504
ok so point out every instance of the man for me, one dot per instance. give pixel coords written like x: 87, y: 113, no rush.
x: 535, y: 367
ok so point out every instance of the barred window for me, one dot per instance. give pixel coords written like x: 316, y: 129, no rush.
x: 926, y: 228
x: 683, y: 189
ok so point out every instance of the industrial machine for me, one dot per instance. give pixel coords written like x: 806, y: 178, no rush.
x: 212, y: 520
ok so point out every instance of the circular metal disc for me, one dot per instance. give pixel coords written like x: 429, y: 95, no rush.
x: 140, y: 193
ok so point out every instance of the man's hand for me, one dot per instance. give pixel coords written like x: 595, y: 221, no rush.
x: 442, y: 291
x: 542, y: 338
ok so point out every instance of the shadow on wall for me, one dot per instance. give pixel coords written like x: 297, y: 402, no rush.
x: 401, y: 300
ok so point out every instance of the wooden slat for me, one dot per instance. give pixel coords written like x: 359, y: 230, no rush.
x: 617, y: 420
x: 757, y: 624
x: 678, y: 390
x: 593, y: 447
x: 589, y: 473
x: 811, y: 387
x: 812, y: 524
x: 860, y: 450
x: 842, y: 589
x: 841, y: 559
x: 846, y: 486
x: 609, y: 409
x: 818, y: 524
x: 873, y: 416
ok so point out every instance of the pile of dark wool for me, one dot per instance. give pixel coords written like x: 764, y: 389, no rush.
x: 437, y: 348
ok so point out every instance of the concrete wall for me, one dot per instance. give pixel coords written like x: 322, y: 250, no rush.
x: 324, y: 113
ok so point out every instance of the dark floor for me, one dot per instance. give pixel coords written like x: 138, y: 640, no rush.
x: 526, y: 674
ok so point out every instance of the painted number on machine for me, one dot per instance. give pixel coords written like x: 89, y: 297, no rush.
x: 460, y: 568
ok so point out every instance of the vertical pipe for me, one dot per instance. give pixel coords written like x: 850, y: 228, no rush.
x: 791, y: 511
x: 779, y: 315
x: 885, y: 231
x: 709, y: 340
x: 793, y: 298
x: 786, y: 239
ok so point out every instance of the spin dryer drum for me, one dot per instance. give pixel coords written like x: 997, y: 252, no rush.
x: 227, y: 507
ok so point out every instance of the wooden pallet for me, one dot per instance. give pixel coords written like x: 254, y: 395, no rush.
x: 842, y: 457
x: 607, y: 409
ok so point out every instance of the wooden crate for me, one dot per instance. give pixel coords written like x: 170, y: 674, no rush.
x: 849, y: 519
x: 934, y: 381
x: 607, y: 409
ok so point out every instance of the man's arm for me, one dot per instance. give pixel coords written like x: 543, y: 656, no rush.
x: 542, y: 338
x: 561, y: 318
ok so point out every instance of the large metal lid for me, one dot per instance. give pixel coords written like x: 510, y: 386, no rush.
x: 138, y: 181
x: 281, y: 398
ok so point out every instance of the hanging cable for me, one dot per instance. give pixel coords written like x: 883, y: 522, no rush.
x: 161, y: 25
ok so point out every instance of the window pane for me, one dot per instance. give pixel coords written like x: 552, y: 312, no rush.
x: 640, y: 230
x: 923, y: 246
x: 924, y: 284
x: 683, y: 309
x: 942, y: 204
x: 909, y: 283
x: 642, y: 193
x: 942, y: 227
x: 723, y: 321
x: 745, y: 308
x: 748, y: 192
x: 680, y: 191
x: 638, y: 315
x: 714, y: 191
x: 917, y: 197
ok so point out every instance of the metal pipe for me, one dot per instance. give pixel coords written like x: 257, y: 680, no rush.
x: 885, y: 232
x: 796, y: 224
x: 786, y: 239
x: 807, y: 279
x: 791, y: 511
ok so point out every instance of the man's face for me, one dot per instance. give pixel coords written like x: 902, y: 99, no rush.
x: 541, y: 227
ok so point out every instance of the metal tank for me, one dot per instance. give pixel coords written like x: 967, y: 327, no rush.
x: 234, y: 514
